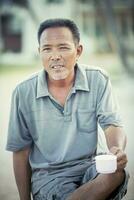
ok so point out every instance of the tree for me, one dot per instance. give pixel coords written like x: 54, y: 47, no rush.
x: 112, y: 33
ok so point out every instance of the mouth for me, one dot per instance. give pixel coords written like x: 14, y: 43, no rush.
x: 57, y: 66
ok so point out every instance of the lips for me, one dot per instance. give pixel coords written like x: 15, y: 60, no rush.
x: 57, y: 66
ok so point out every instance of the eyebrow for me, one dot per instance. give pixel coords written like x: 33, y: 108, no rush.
x: 49, y: 45
x: 63, y: 44
x: 46, y: 45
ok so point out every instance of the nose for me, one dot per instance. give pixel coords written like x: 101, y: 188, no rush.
x: 55, y: 56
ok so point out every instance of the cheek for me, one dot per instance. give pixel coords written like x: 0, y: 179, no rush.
x: 71, y: 57
x: 73, y: 60
x: 44, y: 59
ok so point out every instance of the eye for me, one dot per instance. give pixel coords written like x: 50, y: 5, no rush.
x: 46, y: 49
x: 64, y: 48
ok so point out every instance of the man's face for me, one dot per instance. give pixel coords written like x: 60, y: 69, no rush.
x: 59, y: 52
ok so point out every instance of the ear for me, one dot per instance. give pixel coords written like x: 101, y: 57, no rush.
x: 79, y: 50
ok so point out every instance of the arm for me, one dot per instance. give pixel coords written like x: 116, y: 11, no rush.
x: 22, y: 173
x: 115, y: 136
x: 116, y: 141
x: 110, y: 121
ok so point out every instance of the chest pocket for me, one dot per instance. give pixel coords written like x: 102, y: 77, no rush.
x: 86, y: 120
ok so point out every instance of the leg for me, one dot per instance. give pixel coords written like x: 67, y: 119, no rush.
x: 100, y: 188
x: 58, y: 189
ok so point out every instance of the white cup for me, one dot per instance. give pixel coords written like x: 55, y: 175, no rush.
x: 106, y: 163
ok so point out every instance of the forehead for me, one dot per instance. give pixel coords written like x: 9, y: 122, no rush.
x: 56, y: 34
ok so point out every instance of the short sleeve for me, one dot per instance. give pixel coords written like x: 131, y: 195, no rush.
x: 107, y: 108
x: 18, y: 133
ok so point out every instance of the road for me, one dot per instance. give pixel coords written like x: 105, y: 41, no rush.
x: 123, y: 88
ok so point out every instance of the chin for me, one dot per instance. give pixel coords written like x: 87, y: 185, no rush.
x: 58, y: 77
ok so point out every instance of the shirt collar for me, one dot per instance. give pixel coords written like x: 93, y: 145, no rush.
x: 81, y: 82
x: 42, y: 89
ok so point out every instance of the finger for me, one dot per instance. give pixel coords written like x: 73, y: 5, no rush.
x: 121, y: 156
x: 121, y: 164
x: 115, y: 150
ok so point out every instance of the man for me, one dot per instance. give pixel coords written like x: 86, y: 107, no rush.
x: 53, y: 124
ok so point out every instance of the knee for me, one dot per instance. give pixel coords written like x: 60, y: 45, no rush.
x: 119, y: 177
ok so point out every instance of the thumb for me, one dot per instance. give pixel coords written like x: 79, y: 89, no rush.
x: 114, y: 150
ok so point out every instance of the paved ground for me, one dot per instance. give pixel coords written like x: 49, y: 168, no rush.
x: 124, y: 88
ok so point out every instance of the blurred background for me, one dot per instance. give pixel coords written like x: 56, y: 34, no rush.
x: 107, y: 34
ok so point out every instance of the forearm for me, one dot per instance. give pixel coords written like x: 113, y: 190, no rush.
x: 22, y: 173
x: 92, y: 190
x: 115, y: 136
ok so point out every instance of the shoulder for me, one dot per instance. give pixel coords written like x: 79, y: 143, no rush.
x: 26, y: 86
x: 94, y: 71
x: 27, y: 82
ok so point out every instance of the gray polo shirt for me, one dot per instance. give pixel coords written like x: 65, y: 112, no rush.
x: 59, y: 135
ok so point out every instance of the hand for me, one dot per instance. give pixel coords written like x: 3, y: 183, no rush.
x: 121, y: 157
